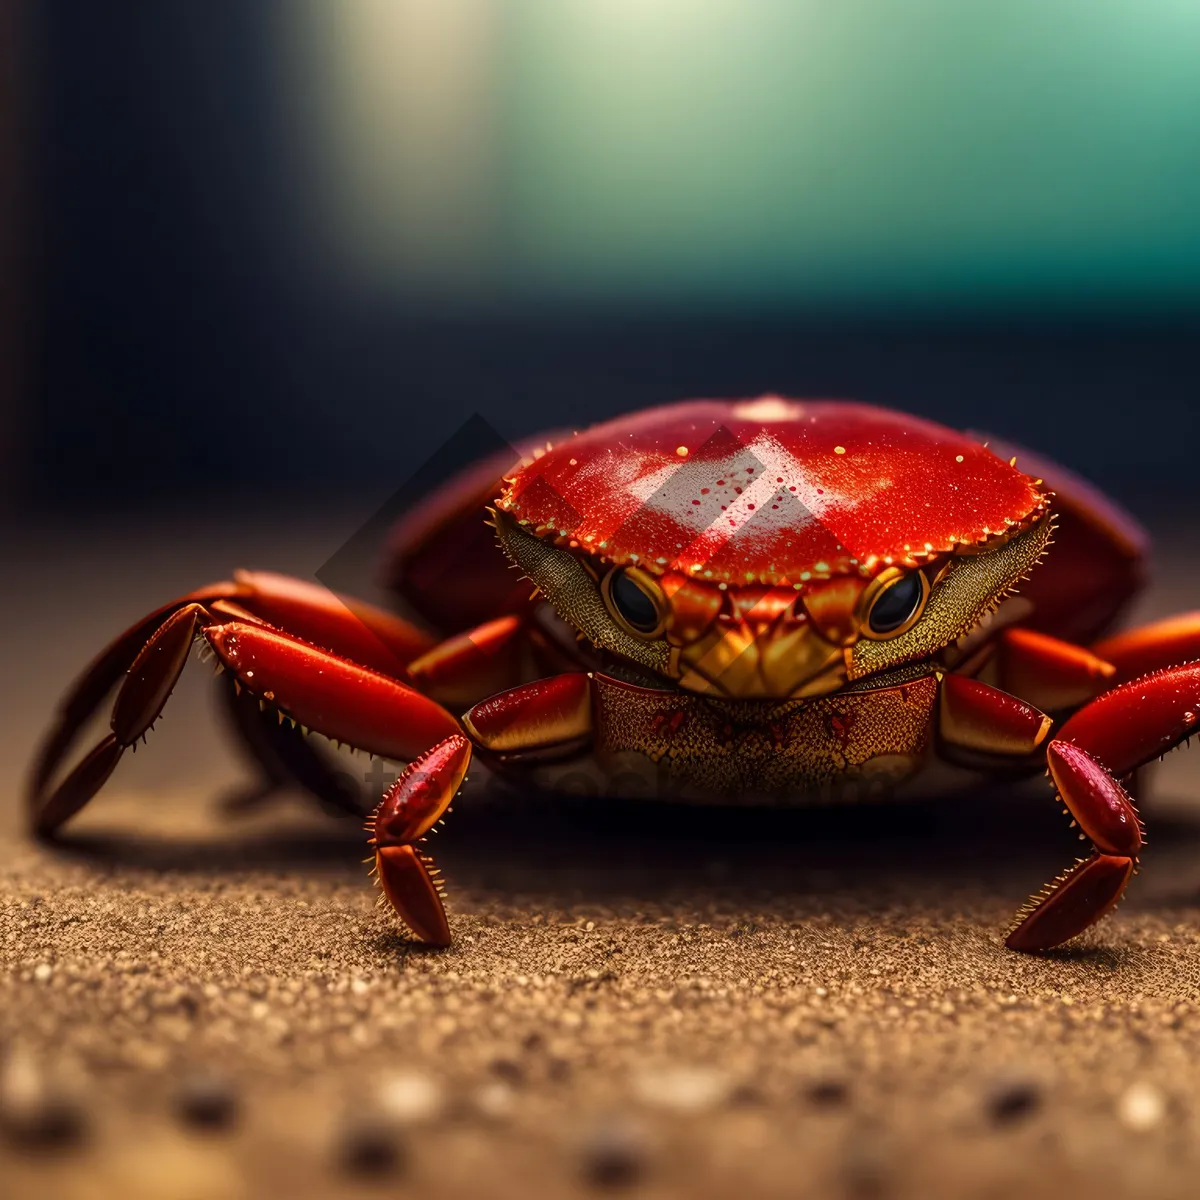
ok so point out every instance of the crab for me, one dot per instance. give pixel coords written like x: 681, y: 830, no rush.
x: 747, y: 601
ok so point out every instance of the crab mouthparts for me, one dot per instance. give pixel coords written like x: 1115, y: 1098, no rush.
x: 743, y: 660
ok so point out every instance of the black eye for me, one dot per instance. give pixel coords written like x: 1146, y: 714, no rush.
x: 897, y: 604
x: 635, y: 607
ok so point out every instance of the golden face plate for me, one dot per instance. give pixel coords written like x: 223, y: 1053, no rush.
x: 741, y: 655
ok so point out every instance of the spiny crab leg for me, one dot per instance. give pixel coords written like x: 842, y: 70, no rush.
x: 87, y: 693
x: 410, y: 808
x: 327, y: 693
x: 528, y: 719
x: 1099, y: 746
x: 347, y: 627
x: 144, y: 691
x: 313, y: 687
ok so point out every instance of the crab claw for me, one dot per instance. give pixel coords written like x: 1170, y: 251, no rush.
x: 410, y: 808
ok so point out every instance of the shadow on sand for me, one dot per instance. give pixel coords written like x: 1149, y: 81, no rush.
x: 505, y: 843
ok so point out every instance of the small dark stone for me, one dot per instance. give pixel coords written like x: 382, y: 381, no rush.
x: 1012, y: 1100
x: 370, y: 1146
x: 207, y: 1101
x: 509, y: 1070
x: 35, y: 1112
x: 54, y: 1122
x: 614, y: 1156
x: 829, y: 1092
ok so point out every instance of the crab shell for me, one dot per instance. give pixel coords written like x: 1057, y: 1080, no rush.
x: 759, y: 526
x: 770, y: 491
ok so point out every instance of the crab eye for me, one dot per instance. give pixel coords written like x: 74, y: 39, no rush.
x: 898, y: 604
x: 632, y: 602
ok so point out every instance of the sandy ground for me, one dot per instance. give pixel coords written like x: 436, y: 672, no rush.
x: 660, y: 1002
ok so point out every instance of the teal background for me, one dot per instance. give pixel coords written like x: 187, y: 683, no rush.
x: 922, y: 149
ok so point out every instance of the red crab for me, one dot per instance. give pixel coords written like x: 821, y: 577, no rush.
x: 747, y: 600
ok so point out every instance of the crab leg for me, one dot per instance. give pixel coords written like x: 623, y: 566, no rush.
x: 455, y: 673
x: 1099, y: 746
x: 547, y: 712
x: 336, y: 697
x: 536, y: 716
x: 101, y: 675
x: 1053, y: 674
x: 470, y: 665
x: 1164, y: 643
x: 312, y: 687
x: 140, y: 699
x: 410, y: 808
x: 347, y: 628
x: 980, y: 719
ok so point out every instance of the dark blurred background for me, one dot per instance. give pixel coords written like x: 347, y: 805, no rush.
x: 259, y: 253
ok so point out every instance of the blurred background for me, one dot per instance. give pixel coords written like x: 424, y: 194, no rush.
x: 261, y: 254
x: 259, y: 262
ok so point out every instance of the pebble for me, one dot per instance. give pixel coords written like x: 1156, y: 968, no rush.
x: 410, y: 1097
x: 371, y: 1145
x: 509, y: 1070
x: 1141, y: 1107
x: 829, y: 1091
x: 613, y: 1155
x: 34, y: 1111
x: 1011, y: 1100
x: 206, y: 1100
x: 495, y: 1101
x: 683, y: 1089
